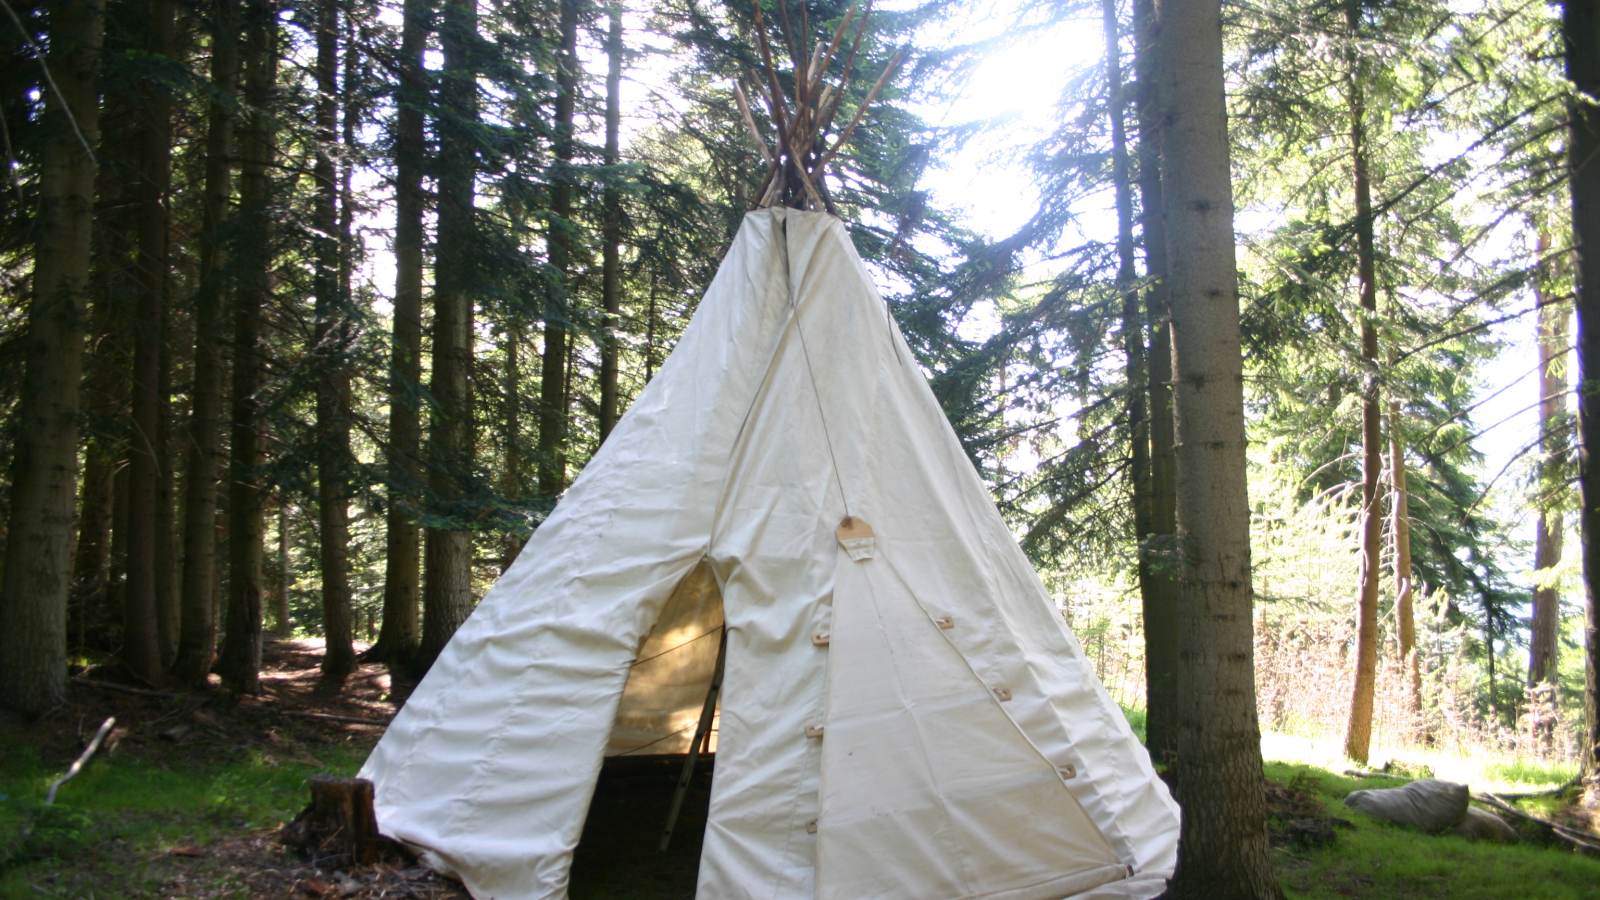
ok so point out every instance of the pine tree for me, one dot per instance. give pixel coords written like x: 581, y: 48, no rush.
x: 38, y: 563
x: 203, y: 437
x: 1223, y: 849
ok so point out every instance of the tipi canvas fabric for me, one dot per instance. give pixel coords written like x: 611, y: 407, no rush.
x: 914, y: 723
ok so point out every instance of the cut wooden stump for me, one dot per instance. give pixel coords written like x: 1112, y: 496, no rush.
x: 340, y: 823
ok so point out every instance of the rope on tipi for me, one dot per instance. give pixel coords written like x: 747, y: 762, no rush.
x: 802, y: 117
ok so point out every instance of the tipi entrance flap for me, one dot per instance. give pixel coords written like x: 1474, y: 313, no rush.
x: 667, y: 683
x: 925, y: 779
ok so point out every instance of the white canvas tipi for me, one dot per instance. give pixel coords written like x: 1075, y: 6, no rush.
x: 906, y: 717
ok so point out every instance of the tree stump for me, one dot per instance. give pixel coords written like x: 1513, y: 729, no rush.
x: 340, y: 822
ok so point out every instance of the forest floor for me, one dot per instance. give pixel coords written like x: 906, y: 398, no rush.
x: 186, y: 798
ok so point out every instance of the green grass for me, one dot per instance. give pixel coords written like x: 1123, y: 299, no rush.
x: 1521, y: 771
x: 1378, y: 859
x: 113, y: 827
x: 1136, y: 720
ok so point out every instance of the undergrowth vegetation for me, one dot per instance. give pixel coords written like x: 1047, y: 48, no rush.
x: 113, y: 829
x: 1379, y: 859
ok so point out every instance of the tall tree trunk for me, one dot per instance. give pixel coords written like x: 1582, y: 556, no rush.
x: 1580, y: 26
x: 611, y: 229
x: 280, y: 591
x: 1400, y: 530
x: 447, y: 591
x: 552, y: 383
x: 168, y: 613
x: 1133, y: 345
x: 1553, y: 334
x: 650, y: 332
x: 397, y: 640
x: 333, y: 379
x: 114, y: 255
x: 1223, y: 849
x: 91, y: 566
x: 1158, y: 588
x: 197, y: 636
x: 1358, y: 731
x: 44, y: 469
x: 141, y: 648
x: 240, y: 663
x: 513, y: 483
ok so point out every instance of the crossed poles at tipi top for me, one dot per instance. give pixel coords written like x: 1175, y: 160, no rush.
x: 802, y: 119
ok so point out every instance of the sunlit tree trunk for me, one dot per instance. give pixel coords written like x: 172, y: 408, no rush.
x: 611, y: 230
x: 197, y: 635
x: 1400, y: 532
x: 44, y: 467
x: 1553, y: 336
x: 1358, y: 731
x: 1223, y: 849
x: 553, y: 408
x: 1158, y: 589
x: 240, y: 662
x: 402, y: 588
x: 1581, y: 28
x: 447, y: 592
x: 280, y: 591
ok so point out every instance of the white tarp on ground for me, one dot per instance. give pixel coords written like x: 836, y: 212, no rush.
x: 966, y: 748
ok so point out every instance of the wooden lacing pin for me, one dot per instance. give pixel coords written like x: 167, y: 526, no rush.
x: 811, y: 827
x: 1067, y: 772
x: 813, y: 731
x: 945, y: 622
x: 821, y: 638
x: 1002, y: 693
x: 856, y: 537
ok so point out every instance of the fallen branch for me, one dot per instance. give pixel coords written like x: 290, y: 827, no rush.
x: 1580, y: 839
x: 105, y: 729
x: 1374, y: 773
x: 169, y: 695
x: 327, y: 717
x: 123, y: 689
x: 1521, y: 795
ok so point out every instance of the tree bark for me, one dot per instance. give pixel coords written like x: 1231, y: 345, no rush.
x: 1223, y: 849
x: 1158, y: 589
x: 611, y: 229
x: 1400, y: 530
x: 552, y: 382
x: 1580, y: 26
x: 280, y: 591
x: 1133, y: 338
x: 513, y: 482
x: 91, y: 566
x: 240, y: 662
x: 141, y: 646
x: 44, y: 469
x: 397, y: 639
x: 333, y: 378
x: 1358, y: 731
x: 169, y: 614
x: 198, y: 632
x: 447, y: 591
x: 1553, y: 334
